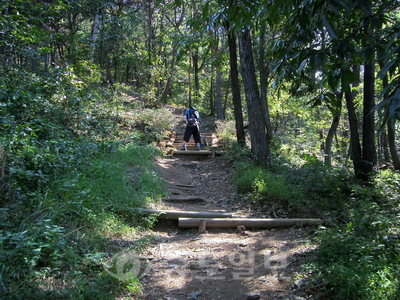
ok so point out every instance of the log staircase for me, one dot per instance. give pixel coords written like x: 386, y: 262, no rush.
x: 212, y: 147
x: 202, y: 219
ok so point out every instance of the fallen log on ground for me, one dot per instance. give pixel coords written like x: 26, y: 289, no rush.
x: 248, y: 223
x: 176, y: 214
x: 182, y: 185
x: 198, y: 152
x: 191, y: 198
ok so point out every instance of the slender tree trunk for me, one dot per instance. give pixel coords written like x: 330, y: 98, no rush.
x: 190, y: 80
x: 101, y: 48
x: 218, y: 81
x: 392, y: 145
x: 93, y: 36
x: 369, y: 143
x: 391, y: 134
x: 196, y: 71
x: 211, y: 103
x: 383, y: 147
x: 264, y: 83
x: 361, y: 167
x: 236, y: 99
x: 218, y: 95
x: 259, y: 144
x: 329, y: 138
x: 151, y: 35
x: 355, y: 147
x: 332, y: 131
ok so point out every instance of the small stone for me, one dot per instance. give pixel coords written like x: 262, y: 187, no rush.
x: 240, y: 228
x: 194, y: 295
x: 254, y: 296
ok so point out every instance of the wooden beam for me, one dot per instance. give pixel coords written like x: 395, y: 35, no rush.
x: 248, y: 223
x: 176, y: 214
x: 191, y: 198
x: 198, y: 152
x: 181, y: 185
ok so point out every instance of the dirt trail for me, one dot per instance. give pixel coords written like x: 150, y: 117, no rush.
x: 221, y: 263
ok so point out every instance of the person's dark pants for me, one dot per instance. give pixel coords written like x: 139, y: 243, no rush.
x: 195, y: 131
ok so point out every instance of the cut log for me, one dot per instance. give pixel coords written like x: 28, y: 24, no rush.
x: 248, y: 223
x: 176, y: 214
x: 192, y: 198
x: 198, y: 152
x: 182, y: 185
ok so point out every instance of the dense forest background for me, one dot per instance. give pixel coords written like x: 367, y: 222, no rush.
x: 312, y: 88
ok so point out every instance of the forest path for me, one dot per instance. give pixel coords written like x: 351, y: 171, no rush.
x: 220, y: 263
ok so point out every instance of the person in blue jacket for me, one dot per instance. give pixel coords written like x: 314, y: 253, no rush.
x: 192, y: 118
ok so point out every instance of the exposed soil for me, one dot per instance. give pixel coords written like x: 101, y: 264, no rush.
x: 233, y: 263
x: 220, y: 263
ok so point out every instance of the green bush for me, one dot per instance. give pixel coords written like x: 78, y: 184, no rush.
x: 70, y: 181
x: 226, y: 132
x: 153, y: 124
x: 360, y: 258
x: 262, y: 185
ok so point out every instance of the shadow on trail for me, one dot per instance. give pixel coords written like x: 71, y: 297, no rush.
x: 224, y: 264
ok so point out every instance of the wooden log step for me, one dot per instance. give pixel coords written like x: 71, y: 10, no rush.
x: 191, y: 198
x: 248, y: 223
x: 186, y: 186
x: 198, y: 152
x: 176, y: 214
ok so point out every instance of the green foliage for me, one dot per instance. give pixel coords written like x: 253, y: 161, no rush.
x: 358, y: 254
x: 360, y: 259
x: 36, y: 244
x: 46, y: 241
x: 70, y: 178
x: 153, y: 124
x: 319, y: 187
x: 262, y: 185
x: 226, y: 132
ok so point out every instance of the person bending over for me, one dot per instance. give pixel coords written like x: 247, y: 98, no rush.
x: 192, y: 118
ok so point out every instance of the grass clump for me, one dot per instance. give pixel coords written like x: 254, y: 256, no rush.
x: 262, y: 187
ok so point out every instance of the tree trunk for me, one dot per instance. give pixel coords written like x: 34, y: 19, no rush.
x: 150, y: 32
x: 392, y: 144
x: 189, y: 103
x: 383, y: 153
x: 218, y: 82
x: 361, y: 167
x: 331, y: 133
x: 259, y: 144
x: 391, y: 134
x: 218, y: 95
x: 236, y: 99
x: 93, y: 36
x: 264, y: 83
x: 368, y: 141
x: 196, y: 70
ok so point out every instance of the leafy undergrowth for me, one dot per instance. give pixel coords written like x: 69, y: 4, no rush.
x: 57, y: 250
x: 359, y: 245
x: 75, y: 165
